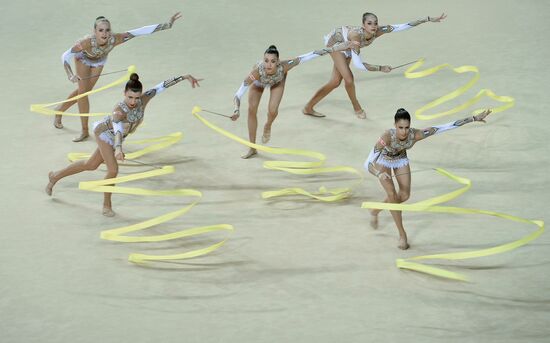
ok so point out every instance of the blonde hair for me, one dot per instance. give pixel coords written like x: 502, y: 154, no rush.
x: 101, y: 19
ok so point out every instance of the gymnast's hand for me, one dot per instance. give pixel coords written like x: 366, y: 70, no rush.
x: 384, y: 176
x: 194, y: 82
x: 385, y: 69
x: 174, y: 18
x: 352, y: 44
x: 481, y: 117
x: 74, y: 78
x: 437, y: 19
x: 119, y: 155
x: 235, y: 115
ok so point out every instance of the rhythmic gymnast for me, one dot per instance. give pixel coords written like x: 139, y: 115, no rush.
x: 364, y: 36
x: 271, y: 73
x: 390, y: 153
x: 90, y: 55
x: 111, y: 131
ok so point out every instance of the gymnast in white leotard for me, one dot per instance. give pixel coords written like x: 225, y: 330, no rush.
x: 90, y: 55
x: 271, y: 73
x: 364, y: 36
x: 113, y: 129
x: 390, y: 154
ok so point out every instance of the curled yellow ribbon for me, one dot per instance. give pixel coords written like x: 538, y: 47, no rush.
x: 155, y: 144
x: 430, y: 205
x: 410, y: 73
x: 293, y: 167
x: 119, y: 234
x: 43, y: 108
x: 160, y: 143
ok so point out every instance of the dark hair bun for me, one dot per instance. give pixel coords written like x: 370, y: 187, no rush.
x: 134, y: 77
x: 402, y: 114
x: 272, y: 50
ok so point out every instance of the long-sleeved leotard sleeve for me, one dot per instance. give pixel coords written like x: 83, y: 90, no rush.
x: 149, y: 29
x: 432, y: 130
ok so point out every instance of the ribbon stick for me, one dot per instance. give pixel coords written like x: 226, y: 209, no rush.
x: 43, y: 108
x: 98, y: 75
x: 405, y: 64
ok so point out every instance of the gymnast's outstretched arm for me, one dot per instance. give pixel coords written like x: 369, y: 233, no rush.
x: 430, y: 131
x: 150, y: 93
x: 146, y: 30
x: 402, y: 27
x: 289, y: 64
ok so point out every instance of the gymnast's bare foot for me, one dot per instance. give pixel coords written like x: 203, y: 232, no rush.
x: 49, y: 187
x: 108, y: 212
x: 373, y: 219
x: 361, y: 114
x: 403, y: 245
x: 312, y: 112
x: 57, y: 122
x: 82, y: 137
x: 251, y: 152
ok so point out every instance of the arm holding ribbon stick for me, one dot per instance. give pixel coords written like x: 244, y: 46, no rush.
x: 390, y: 155
x: 111, y: 131
x: 68, y: 56
x: 364, y: 36
x: 254, y: 75
x: 289, y: 64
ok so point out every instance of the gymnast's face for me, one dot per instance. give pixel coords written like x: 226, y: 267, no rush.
x: 370, y: 24
x: 270, y: 63
x: 402, y: 127
x: 131, y: 98
x: 102, y: 32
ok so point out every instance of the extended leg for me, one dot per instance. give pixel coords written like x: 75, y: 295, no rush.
x: 254, y: 96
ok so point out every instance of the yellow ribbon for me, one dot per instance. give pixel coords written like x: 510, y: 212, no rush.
x: 293, y: 167
x: 42, y: 108
x: 119, y: 234
x: 160, y: 143
x: 410, y: 73
x: 430, y: 205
